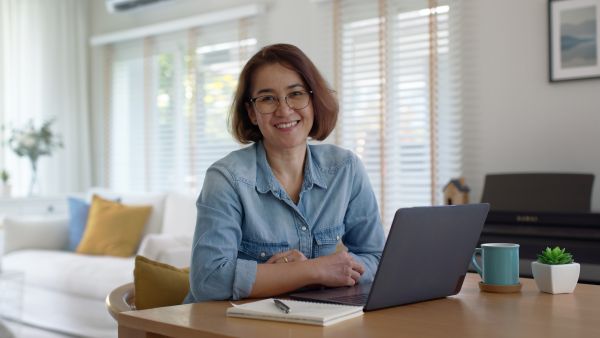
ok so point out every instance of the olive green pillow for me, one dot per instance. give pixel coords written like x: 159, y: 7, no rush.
x: 158, y: 284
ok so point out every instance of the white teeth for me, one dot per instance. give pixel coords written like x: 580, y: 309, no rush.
x: 286, y: 125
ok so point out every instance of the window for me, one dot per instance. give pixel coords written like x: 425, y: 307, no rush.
x: 169, y: 99
x: 397, y: 77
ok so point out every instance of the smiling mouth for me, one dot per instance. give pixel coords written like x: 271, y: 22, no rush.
x: 286, y: 125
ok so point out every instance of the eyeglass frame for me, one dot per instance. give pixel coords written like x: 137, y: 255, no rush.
x: 253, y: 101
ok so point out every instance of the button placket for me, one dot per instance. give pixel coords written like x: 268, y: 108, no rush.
x: 304, y: 235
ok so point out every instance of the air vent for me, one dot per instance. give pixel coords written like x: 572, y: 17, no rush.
x: 118, y: 6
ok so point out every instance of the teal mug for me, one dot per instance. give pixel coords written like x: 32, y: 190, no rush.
x: 500, y: 263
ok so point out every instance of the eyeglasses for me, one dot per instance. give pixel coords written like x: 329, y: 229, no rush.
x: 267, y: 104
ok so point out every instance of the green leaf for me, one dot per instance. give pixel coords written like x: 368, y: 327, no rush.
x: 34, y: 142
x: 555, y: 256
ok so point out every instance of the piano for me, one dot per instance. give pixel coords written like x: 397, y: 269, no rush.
x: 539, y: 210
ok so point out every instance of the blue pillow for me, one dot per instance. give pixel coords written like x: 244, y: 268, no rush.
x: 78, y: 215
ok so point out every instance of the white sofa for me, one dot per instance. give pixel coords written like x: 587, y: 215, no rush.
x: 65, y: 291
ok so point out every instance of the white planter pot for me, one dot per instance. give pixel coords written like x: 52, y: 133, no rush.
x: 555, y: 279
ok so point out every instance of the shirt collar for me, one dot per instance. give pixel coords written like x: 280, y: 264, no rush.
x: 265, y: 180
x: 311, y: 173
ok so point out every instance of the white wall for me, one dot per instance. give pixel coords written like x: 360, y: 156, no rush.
x: 526, y: 123
x: 515, y: 119
x: 299, y: 22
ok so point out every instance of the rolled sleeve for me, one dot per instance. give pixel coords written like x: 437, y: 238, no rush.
x: 216, y: 273
x: 245, y: 276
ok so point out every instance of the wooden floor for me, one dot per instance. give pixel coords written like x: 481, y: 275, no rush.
x: 25, y: 331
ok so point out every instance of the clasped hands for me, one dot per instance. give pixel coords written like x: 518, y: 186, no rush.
x: 338, y: 269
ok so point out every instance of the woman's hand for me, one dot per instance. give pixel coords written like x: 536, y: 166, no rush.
x: 338, y: 269
x: 287, y: 257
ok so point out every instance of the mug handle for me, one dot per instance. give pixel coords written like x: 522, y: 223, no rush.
x: 474, y: 261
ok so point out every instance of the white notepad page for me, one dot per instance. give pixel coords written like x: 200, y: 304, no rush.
x: 300, y: 312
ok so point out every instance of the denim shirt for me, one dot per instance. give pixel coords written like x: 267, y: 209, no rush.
x: 245, y: 217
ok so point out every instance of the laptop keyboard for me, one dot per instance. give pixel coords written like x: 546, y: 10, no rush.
x: 360, y: 299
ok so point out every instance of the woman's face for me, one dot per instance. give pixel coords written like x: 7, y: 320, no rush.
x: 285, y: 128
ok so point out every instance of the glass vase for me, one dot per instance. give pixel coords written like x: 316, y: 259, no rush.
x: 34, y: 185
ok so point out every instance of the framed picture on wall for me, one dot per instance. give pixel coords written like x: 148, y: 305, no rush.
x: 574, y: 36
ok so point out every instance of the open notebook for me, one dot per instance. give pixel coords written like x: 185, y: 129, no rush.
x: 300, y: 312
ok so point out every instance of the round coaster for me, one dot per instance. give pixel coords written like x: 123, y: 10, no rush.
x: 500, y: 288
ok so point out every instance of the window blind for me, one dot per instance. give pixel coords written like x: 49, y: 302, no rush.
x: 169, y: 98
x: 400, y: 97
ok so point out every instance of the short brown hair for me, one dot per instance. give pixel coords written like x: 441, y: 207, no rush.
x: 325, y: 105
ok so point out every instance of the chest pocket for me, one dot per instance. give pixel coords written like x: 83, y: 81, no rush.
x: 326, y: 239
x: 260, y: 252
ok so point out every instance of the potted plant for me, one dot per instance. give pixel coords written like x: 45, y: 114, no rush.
x: 33, y: 142
x: 5, y: 186
x: 555, y: 271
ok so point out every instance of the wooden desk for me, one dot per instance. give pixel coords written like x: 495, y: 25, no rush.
x: 471, y: 313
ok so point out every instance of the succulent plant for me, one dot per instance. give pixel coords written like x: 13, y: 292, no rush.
x: 555, y: 256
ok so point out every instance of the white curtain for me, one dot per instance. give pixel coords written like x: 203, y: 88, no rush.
x: 43, y: 75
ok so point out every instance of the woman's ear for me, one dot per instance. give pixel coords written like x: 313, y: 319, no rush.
x: 251, y: 113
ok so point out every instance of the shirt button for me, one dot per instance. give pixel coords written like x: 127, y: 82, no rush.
x: 303, y: 228
x: 262, y: 254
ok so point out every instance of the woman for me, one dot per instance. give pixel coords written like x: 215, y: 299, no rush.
x: 270, y: 215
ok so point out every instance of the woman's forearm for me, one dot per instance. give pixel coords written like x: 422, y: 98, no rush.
x: 276, y: 279
x: 338, y: 269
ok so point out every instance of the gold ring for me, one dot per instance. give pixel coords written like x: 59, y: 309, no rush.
x: 285, y: 259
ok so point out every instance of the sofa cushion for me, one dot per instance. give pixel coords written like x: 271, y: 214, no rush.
x: 157, y: 201
x: 39, y: 232
x: 113, y: 228
x: 180, y: 214
x: 79, y: 210
x: 157, y: 284
x: 78, y: 215
x: 63, y: 271
x: 174, y: 250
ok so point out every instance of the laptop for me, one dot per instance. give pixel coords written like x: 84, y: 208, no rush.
x: 426, y: 256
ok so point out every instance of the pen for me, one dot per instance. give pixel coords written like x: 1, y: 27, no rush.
x: 281, y: 306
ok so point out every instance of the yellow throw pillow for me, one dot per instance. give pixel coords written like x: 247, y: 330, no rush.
x: 157, y: 284
x: 113, y: 228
